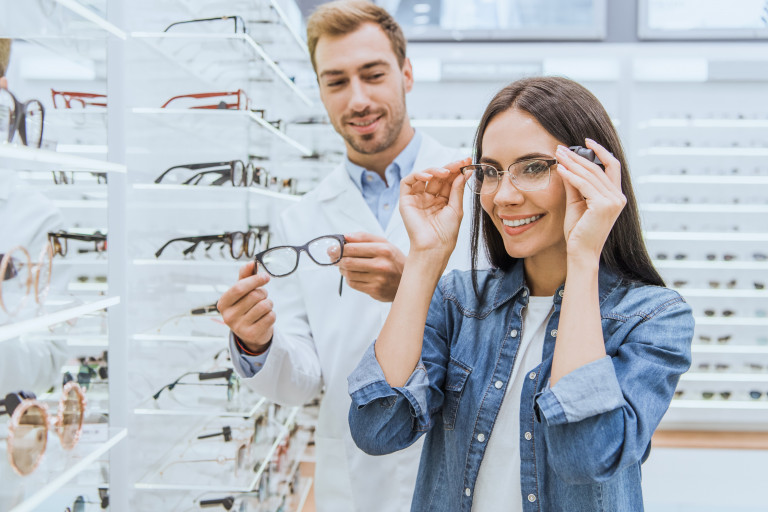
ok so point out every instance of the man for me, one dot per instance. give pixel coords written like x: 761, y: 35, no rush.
x: 307, y: 337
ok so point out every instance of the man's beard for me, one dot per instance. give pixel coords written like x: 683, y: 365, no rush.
x: 366, y: 145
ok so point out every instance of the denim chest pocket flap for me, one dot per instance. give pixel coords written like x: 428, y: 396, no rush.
x: 455, y: 379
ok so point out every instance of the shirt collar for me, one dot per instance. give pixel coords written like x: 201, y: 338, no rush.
x: 512, y: 282
x: 403, y: 162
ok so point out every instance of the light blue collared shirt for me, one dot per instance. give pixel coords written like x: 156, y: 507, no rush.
x: 382, y: 197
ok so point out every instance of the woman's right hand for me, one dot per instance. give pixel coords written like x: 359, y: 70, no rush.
x: 431, y: 207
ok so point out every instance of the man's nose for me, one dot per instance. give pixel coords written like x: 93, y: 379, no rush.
x: 359, y: 100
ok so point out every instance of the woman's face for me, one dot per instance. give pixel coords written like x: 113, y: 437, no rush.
x: 530, y: 223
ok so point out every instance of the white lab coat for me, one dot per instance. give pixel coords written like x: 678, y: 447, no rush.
x: 26, y: 217
x: 320, y: 337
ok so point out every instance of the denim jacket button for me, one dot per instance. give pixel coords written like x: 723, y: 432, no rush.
x: 513, y: 333
x: 525, y: 293
x: 532, y: 375
x: 553, y: 332
x: 561, y: 293
x: 481, y: 437
x: 528, y: 436
x: 498, y: 384
x: 531, y: 498
x: 467, y: 492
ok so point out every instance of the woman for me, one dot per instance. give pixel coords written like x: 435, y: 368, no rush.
x: 539, y: 382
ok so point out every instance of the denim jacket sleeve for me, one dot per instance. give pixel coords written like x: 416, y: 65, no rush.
x: 384, y: 419
x: 599, y: 419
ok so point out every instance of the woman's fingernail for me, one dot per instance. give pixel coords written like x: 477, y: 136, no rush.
x: 590, y: 141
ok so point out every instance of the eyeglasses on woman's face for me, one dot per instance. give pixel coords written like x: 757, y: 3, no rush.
x: 528, y: 175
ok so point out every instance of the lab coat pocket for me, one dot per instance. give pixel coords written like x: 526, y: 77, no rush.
x: 455, y: 379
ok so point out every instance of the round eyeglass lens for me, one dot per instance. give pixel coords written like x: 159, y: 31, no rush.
x: 280, y: 261
x: 238, y: 173
x: 71, y: 417
x: 29, y: 439
x: 531, y: 174
x: 484, y: 179
x: 7, y: 113
x: 15, y: 272
x: 236, y: 247
x: 325, y: 250
x: 250, y: 244
x: 44, y: 269
x: 34, y: 123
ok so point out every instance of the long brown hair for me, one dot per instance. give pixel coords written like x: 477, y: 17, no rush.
x: 570, y: 113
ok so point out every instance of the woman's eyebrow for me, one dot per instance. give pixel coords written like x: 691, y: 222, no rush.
x: 527, y: 156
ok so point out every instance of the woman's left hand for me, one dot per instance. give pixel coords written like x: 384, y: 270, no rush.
x: 593, y: 197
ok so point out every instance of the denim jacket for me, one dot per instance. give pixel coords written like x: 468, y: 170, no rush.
x: 582, y: 441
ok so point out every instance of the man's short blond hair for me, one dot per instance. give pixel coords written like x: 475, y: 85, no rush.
x: 5, y: 55
x: 342, y: 17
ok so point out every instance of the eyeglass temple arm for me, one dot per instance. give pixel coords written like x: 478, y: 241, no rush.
x: 192, y: 239
x: 205, y: 95
x: 171, y: 385
x: 204, y: 19
x: 222, y: 374
x: 193, y: 167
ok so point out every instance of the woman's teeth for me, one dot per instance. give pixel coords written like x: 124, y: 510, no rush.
x: 520, y: 222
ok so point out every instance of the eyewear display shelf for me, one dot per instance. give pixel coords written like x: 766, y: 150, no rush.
x: 698, y: 152
x: 204, y: 91
x: 77, y: 315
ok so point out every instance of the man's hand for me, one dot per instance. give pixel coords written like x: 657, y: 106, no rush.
x: 246, y: 309
x: 372, y: 265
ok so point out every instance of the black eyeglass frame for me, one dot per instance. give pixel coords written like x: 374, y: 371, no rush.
x: 298, y: 249
x: 18, y: 120
x: 235, y: 18
x: 227, y: 238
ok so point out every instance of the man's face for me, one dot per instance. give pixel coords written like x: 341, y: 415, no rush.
x: 363, y: 88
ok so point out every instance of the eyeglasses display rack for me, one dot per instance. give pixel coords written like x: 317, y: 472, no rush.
x: 60, y: 166
x: 212, y: 90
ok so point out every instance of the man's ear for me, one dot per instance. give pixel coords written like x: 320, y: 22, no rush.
x: 3, y: 83
x: 408, y: 75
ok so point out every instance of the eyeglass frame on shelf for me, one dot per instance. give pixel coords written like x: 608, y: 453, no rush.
x: 217, y: 18
x: 15, y: 124
x: 6, y: 266
x: 226, y: 238
x: 98, y: 238
x: 76, y: 96
x: 248, y: 179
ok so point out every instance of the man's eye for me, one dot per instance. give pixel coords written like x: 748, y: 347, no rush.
x: 334, y: 83
x: 375, y: 76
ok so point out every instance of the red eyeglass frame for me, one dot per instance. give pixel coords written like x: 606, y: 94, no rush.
x: 240, y: 104
x: 82, y: 97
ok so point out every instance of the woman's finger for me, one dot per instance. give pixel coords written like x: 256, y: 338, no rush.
x: 585, y: 188
x: 578, y: 165
x: 611, y: 163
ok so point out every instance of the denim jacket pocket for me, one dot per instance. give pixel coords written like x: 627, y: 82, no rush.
x: 455, y: 379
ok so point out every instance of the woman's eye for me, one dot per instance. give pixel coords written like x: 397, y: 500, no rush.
x: 534, y: 168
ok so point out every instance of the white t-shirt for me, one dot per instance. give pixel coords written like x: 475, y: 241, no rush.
x: 498, y: 480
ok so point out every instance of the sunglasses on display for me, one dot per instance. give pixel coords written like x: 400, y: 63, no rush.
x: 235, y: 172
x: 237, y: 23
x: 68, y: 177
x: 26, y: 119
x: 240, y: 243
x: 720, y: 367
x: 28, y: 429
x: 233, y: 382
x: 235, y: 100
x: 528, y: 175
x: 284, y: 260
x: 59, y: 239
x: 708, y: 395
x: 20, y: 276
x: 77, y: 100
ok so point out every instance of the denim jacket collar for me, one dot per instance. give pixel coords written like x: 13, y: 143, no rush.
x: 512, y: 282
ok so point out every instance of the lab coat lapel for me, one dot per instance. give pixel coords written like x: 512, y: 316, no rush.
x: 347, y: 209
